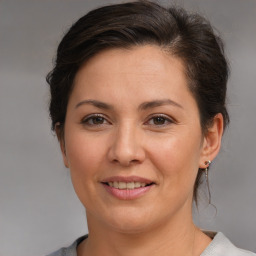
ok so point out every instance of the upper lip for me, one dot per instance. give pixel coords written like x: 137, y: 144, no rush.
x: 127, y: 179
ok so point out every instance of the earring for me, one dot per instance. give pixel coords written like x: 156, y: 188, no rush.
x: 207, y: 163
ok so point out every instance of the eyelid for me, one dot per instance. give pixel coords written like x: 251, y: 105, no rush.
x: 166, y: 117
x: 93, y: 115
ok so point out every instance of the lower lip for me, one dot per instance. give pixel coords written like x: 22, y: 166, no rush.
x: 127, y: 194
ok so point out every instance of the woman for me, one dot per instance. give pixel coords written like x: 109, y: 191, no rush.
x: 138, y: 104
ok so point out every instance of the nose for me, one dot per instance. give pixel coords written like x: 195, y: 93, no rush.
x: 127, y: 146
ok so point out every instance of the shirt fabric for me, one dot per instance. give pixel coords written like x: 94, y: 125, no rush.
x: 220, y: 246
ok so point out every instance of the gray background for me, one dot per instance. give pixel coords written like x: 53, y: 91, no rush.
x: 39, y: 211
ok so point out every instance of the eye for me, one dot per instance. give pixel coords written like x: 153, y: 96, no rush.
x: 94, y: 120
x: 159, y: 120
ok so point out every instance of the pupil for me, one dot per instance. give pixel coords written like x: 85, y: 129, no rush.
x: 159, y: 120
x: 98, y: 120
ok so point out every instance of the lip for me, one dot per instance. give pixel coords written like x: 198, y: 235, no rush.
x: 128, y: 194
x: 127, y: 179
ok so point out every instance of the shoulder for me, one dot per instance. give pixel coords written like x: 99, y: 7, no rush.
x: 70, y: 250
x: 221, y: 245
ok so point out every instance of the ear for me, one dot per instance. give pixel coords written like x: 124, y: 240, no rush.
x: 212, y: 141
x: 60, y: 134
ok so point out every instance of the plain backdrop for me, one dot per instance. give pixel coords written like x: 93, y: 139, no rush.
x: 39, y: 211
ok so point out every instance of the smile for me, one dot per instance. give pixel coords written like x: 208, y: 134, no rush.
x: 127, y: 188
x: 127, y: 185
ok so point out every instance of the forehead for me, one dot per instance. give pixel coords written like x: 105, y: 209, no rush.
x: 149, y: 58
x: 148, y: 61
x: 147, y: 71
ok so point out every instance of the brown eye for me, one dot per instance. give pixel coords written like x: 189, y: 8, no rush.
x: 159, y: 120
x: 94, y: 120
x: 97, y: 120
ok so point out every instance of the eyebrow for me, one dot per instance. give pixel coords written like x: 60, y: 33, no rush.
x: 96, y: 103
x: 158, y: 103
x: 143, y: 106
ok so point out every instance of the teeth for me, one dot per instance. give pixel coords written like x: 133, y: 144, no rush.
x: 136, y: 184
x: 122, y: 185
x: 130, y: 185
x: 126, y: 185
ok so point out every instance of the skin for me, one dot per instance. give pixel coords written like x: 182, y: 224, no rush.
x: 161, y: 142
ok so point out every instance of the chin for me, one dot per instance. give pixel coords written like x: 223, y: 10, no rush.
x: 127, y: 227
x: 131, y: 221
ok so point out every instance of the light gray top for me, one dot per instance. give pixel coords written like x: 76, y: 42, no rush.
x: 220, y: 246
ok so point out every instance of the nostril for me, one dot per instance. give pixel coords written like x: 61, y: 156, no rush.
x: 125, y: 162
x: 134, y: 161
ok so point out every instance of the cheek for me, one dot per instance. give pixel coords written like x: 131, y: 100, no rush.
x: 85, y: 156
x: 176, y: 158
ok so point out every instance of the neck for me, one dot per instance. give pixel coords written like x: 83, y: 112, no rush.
x: 175, y: 237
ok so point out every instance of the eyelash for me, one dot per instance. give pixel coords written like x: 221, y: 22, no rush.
x: 93, y: 117
x: 161, y: 116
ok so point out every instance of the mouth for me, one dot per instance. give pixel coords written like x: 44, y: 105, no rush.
x: 127, y: 185
x: 127, y: 188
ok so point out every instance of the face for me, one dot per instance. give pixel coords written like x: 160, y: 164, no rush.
x: 133, y: 140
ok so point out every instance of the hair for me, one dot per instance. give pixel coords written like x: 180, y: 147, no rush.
x: 189, y: 37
